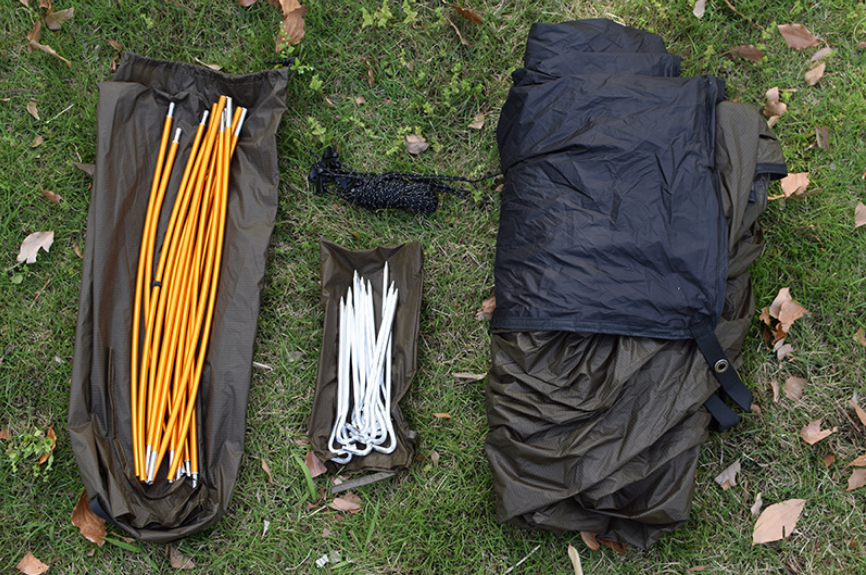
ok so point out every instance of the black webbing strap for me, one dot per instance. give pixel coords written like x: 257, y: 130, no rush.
x: 723, y: 416
x: 731, y: 384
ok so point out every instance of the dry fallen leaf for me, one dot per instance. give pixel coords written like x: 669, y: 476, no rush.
x: 575, y: 560
x: 434, y: 457
x: 37, y: 141
x: 33, y: 243
x: 53, y: 437
x: 861, y: 414
x: 700, y: 6
x: 774, y: 384
x: 812, y: 432
x: 77, y: 249
x: 620, y: 548
x: 815, y: 74
x: 821, y: 54
x: 50, y: 196
x: 287, y: 6
x: 468, y: 14
x: 759, y: 503
x: 750, y: 53
x: 267, y: 469
x: 30, y: 565
x: 777, y: 521
x: 859, y: 462
x: 859, y: 215
x: 178, y: 560
x: 349, y: 502
x: 728, y: 477
x: 91, y: 525
x: 314, y: 464
x: 793, y: 185
x: 292, y: 28
x: 797, y: 36
x: 86, y: 168
x: 783, y: 349
x: 360, y: 100
x: 33, y: 43
x: 469, y: 376
x: 441, y: 416
x: 794, y: 388
x: 590, y: 540
x: 822, y: 137
x: 861, y: 45
x: 215, y: 67
x: 857, y: 479
x: 31, y: 107
x: 786, y: 310
x: 5, y: 434
x: 765, y: 316
x: 416, y: 144
x: 860, y: 336
x: 829, y: 459
x: 774, y: 107
x: 54, y: 19
x: 477, y: 122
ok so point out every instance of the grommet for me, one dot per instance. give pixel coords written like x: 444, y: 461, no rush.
x: 721, y: 366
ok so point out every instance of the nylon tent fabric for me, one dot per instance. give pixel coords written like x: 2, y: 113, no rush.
x: 130, y: 116
x: 600, y: 429
x: 406, y: 270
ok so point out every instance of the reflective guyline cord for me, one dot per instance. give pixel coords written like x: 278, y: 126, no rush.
x: 363, y: 420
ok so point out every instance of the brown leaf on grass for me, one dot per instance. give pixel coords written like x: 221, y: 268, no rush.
x: 292, y: 28
x: 700, y: 7
x: 53, y: 437
x: 589, y: 540
x: 178, y: 560
x: 86, y: 168
x: 756, y: 507
x: 32, y: 109
x: 247, y: 3
x: 314, y: 464
x: 750, y: 53
x: 50, y: 196
x: 786, y: 310
x: 815, y: 74
x: 91, y: 525
x: 765, y: 316
x: 286, y: 6
x: 5, y: 434
x: 777, y: 521
x: 54, y: 19
x: 441, y: 416
x: 860, y: 337
x: 370, y: 79
x: 469, y: 376
x: 30, y: 565
x: 793, y: 185
x: 861, y: 45
x: 859, y: 462
x: 25, y: 2
x: 861, y: 414
x: 467, y: 14
x: 829, y: 459
x: 776, y: 391
x: 774, y: 107
x: 728, y: 477
x: 477, y: 121
x: 360, y: 100
x: 215, y: 67
x: 620, y: 548
x: 821, y: 54
x: 812, y: 432
x: 46, y: 4
x: 857, y: 479
x: 797, y: 36
x: 794, y: 388
x: 37, y: 141
x: 33, y: 43
x: 486, y: 310
x: 434, y: 457
x: 33, y: 243
x: 782, y: 349
x: 77, y: 249
x: 267, y: 469
x: 575, y: 560
x: 822, y: 137
x: 416, y: 144
x: 859, y: 215
x: 349, y: 503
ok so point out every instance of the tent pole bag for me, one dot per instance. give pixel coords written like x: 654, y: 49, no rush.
x: 130, y: 117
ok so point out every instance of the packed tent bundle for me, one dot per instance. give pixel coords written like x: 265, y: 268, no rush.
x: 628, y: 221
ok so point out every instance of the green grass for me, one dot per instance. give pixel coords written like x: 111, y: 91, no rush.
x: 435, y: 518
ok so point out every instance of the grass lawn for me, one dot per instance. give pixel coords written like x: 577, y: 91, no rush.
x: 369, y: 73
